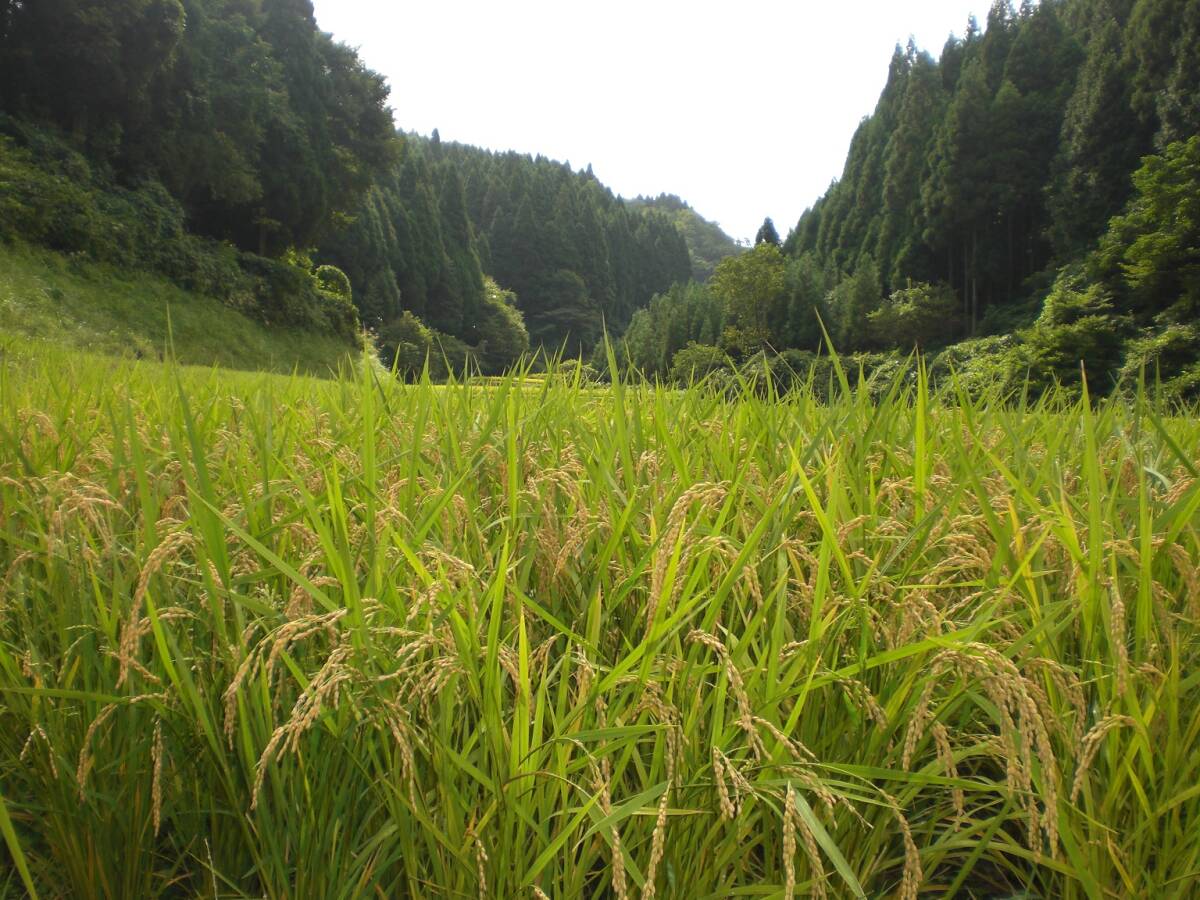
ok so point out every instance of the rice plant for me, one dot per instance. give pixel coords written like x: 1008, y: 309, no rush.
x: 284, y: 637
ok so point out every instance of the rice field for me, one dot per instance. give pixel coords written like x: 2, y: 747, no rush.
x: 289, y: 638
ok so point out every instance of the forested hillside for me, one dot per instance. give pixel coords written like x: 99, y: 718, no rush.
x: 210, y: 141
x: 1022, y: 204
x: 994, y: 174
x: 707, y: 243
x: 259, y: 124
x: 243, y: 153
x: 576, y: 256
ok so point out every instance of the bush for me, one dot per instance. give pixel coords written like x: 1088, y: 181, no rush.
x: 404, y: 345
x: 503, y: 338
x: 990, y: 364
x: 1170, y: 357
x: 697, y: 361
x: 786, y: 370
x: 451, y: 356
x: 921, y: 315
x: 1077, y: 326
x: 333, y: 282
x: 51, y: 196
x: 44, y: 207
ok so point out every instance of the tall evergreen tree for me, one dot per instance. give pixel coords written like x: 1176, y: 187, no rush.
x: 767, y: 233
x: 1101, y: 141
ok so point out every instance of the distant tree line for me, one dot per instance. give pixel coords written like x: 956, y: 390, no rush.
x: 577, y: 258
x: 707, y: 243
x: 1025, y: 203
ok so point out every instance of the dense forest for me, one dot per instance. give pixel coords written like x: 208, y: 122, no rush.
x: 578, y: 258
x: 707, y: 242
x: 212, y: 141
x: 1032, y: 192
x: 261, y: 126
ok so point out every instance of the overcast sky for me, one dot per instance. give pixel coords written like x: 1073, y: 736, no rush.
x: 744, y: 110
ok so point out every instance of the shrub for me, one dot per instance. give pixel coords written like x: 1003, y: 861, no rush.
x: 1077, y: 326
x: 404, y: 344
x: 503, y: 338
x: 333, y: 282
x: 51, y: 196
x: 990, y: 364
x: 1170, y: 356
x: 921, y: 315
x: 785, y: 370
x: 697, y: 361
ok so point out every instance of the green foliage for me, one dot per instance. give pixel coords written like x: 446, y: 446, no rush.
x: 575, y: 257
x: 853, y: 301
x: 51, y: 299
x: 696, y: 362
x: 993, y: 367
x: 260, y: 125
x: 998, y: 167
x: 1169, y: 358
x: 685, y: 314
x: 707, y: 243
x: 1078, y: 328
x: 405, y: 343
x: 1155, y: 244
x: 409, y: 347
x: 333, y: 281
x: 921, y: 315
x: 789, y: 370
x: 1101, y: 141
x: 503, y: 339
x: 411, y: 247
x: 806, y: 286
x: 767, y: 233
x: 578, y: 258
x: 52, y: 196
x: 752, y: 287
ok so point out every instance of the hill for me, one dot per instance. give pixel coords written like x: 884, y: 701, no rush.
x: 1040, y: 177
x: 242, y: 153
x: 707, y: 242
x: 575, y: 256
x: 1022, y: 208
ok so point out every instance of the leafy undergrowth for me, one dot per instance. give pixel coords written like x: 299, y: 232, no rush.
x: 281, y: 637
x: 48, y: 297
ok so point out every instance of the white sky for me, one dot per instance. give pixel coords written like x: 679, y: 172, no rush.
x: 743, y: 110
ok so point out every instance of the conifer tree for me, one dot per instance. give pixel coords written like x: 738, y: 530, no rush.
x: 767, y: 233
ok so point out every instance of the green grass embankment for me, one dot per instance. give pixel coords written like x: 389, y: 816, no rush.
x: 51, y: 298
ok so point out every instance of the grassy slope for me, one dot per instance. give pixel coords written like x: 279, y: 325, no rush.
x: 51, y: 298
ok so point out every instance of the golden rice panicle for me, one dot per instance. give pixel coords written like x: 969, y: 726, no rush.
x: 1089, y: 747
x: 945, y: 752
x: 670, y: 753
x: 86, y: 759
x: 789, y: 846
x: 708, y: 495
x: 156, y: 776
x: 168, y: 548
x: 601, y: 782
